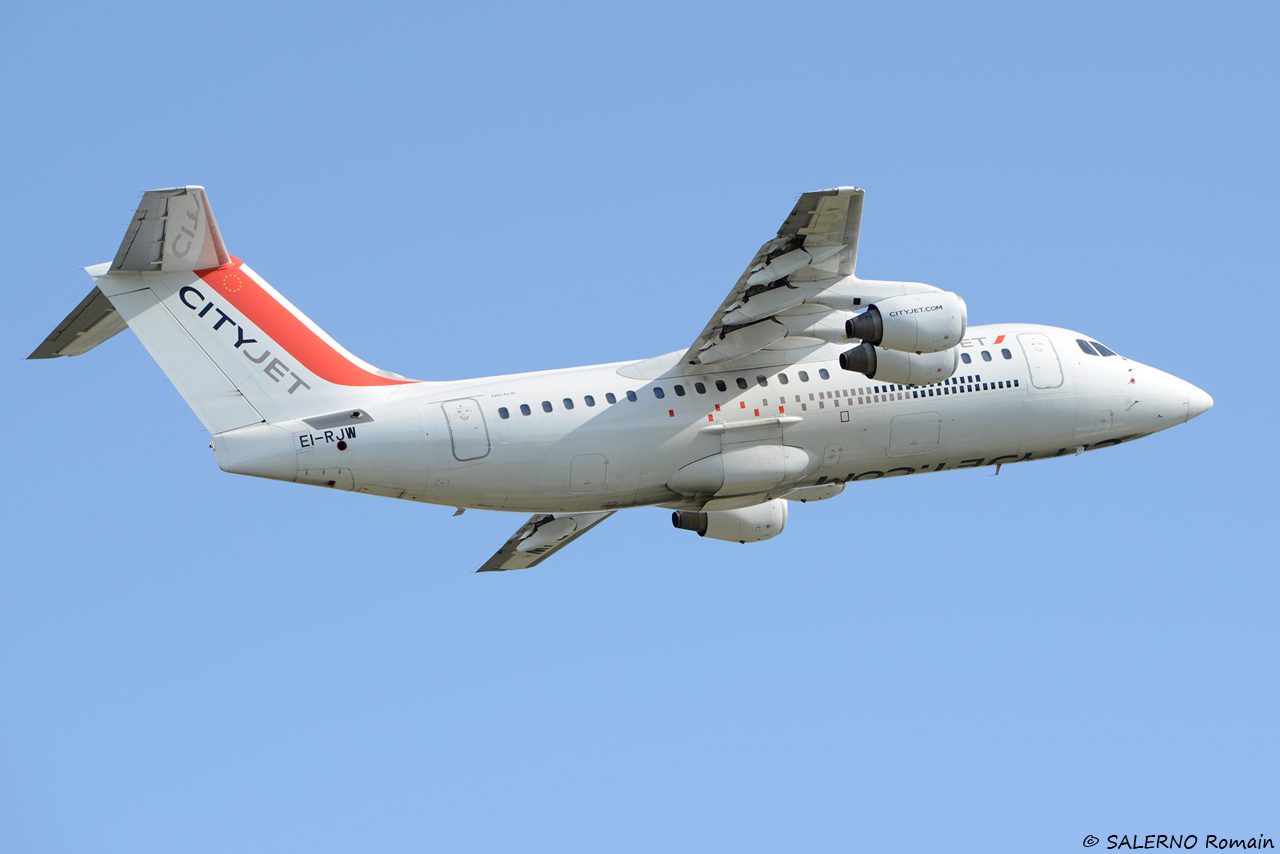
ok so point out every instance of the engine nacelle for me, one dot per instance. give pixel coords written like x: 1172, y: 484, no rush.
x: 892, y: 366
x: 915, y: 323
x: 747, y: 525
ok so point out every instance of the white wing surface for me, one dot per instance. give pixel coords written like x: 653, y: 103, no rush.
x: 819, y: 240
x: 541, y: 537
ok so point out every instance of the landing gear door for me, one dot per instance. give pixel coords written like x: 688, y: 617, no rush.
x: 1042, y: 360
x: 467, y: 429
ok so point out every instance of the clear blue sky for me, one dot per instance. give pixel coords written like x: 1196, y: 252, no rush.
x: 191, y: 661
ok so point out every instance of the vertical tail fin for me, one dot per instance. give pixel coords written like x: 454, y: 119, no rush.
x: 237, y: 351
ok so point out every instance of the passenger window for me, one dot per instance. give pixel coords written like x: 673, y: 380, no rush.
x: 699, y: 388
x: 1005, y: 352
x: 804, y: 376
x: 986, y: 357
x: 568, y: 403
x: 782, y: 378
x: 503, y: 413
x: 720, y: 386
x: 609, y: 397
x: 631, y: 396
x: 525, y: 410
x: 658, y: 392
x: 679, y: 391
x: 822, y: 372
x: 589, y: 400
x: 966, y: 358
x: 763, y: 380
x: 546, y: 406
x: 1103, y: 350
x: 1084, y: 345
x: 742, y: 383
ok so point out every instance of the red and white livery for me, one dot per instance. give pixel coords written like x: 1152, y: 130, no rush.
x: 805, y: 379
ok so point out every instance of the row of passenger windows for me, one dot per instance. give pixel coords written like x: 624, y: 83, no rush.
x: 986, y: 356
x: 880, y: 392
x: 974, y: 384
x: 954, y: 385
x: 891, y: 392
x: 660, y: 393
x: 1093, y: 348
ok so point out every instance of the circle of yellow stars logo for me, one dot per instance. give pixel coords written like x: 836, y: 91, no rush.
x: 232, y: 282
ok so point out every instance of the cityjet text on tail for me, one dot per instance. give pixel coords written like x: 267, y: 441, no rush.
x: 804, y: 380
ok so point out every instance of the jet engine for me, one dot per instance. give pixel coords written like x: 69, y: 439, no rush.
x: 914, y: 323
x: 892, y: 366
x: 746, y: 525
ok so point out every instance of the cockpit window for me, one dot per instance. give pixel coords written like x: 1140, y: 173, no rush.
x: 1102, y: 350
x: 1084, y: 345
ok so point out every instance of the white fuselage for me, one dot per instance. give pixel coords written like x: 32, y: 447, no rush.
x: 1028, y: 392
x: 805, y: 379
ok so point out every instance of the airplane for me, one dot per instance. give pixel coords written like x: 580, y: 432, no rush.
x: 805, y: 379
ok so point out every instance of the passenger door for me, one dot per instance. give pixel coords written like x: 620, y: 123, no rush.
x: 467, y: 429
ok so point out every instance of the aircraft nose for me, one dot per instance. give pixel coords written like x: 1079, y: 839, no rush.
x: 1198, y: 402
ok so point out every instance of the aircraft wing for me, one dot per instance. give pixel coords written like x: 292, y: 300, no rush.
x: 819, y: 239
x: 541, y: 537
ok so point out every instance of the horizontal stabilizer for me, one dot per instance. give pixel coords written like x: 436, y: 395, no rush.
x: 236, y: 350
x: 90, y: 323
x: 173, y: 231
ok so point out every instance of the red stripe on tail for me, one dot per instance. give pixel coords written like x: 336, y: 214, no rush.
x: 265, y: 312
